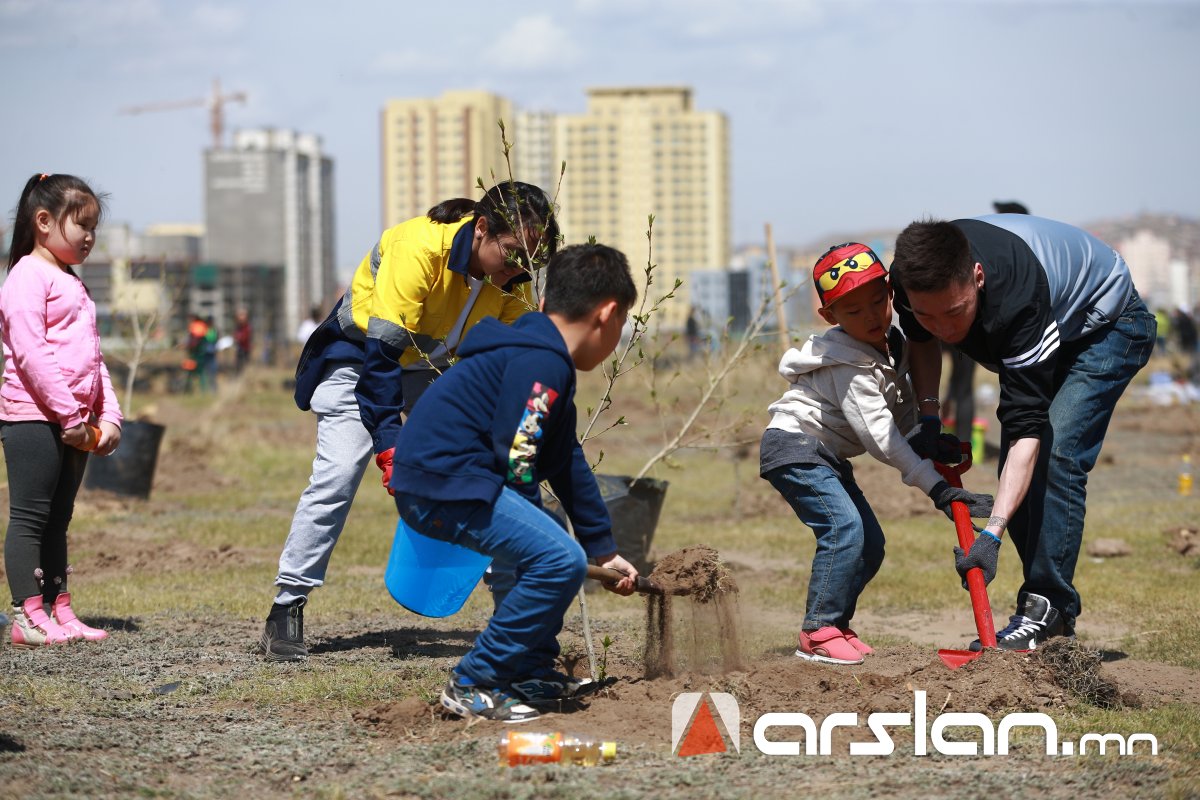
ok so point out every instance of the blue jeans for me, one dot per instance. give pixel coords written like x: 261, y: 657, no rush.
x: 849, y: 539
x: 1093, y: 372
x: 521, y: 639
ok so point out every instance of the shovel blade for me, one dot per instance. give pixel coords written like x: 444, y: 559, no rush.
x: 956, y: 658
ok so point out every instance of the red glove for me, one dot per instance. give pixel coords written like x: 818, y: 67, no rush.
x: 384, y: 462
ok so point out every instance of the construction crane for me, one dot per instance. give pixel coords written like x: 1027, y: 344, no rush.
x: 214, y: 102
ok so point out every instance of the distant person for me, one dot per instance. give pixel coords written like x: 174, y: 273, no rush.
x: 1054, y: 311
x: 849, y: 394
x: 1183, y: 326
x: 308, y: 326
x: 424, y: 284
x: 471, y: 460
x: 196, y: 348
x: 692, y: 332
x: 1162, y: 344
x: 209, y: 364
x: 1009, y: 207
x: 243, y: 336
x: 56, y: 403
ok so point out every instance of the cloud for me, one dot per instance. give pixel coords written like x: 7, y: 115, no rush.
x: 30, y: 22
x: 708, y: 20
x: 398, y: 62
x: 532, y: 44
x: 219, y: 19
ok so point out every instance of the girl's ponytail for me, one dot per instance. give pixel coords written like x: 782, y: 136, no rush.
x: 22, y: 236
x: 453, y: 210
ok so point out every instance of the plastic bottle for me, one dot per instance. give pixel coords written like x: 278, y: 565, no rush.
x: 1185, y: 476
x: 93, y: 438
x: 518, y: 747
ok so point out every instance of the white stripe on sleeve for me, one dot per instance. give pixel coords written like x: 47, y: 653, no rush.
x: 1040, y: 352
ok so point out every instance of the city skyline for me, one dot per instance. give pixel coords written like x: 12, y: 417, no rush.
x: 843, y: 116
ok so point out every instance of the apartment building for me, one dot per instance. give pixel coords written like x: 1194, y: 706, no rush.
x: 638, y: 151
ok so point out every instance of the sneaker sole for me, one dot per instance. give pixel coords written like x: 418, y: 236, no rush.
x: 826, y: 659
x: 588, y: 686
x: 265, y: 648
x: 455, y: 707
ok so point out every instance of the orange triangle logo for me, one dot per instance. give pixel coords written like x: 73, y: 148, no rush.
x: 703, y: 736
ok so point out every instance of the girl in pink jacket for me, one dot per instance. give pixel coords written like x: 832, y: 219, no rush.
x: 56, y: 403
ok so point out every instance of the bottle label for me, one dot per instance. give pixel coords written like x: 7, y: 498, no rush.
x: 533, y: 748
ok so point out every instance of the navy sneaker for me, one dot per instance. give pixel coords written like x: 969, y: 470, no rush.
x: 1035, y: 622
x: 489, y: 702
x: 551, y: 686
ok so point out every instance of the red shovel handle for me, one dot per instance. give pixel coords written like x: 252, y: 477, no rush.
x: 980, y: 604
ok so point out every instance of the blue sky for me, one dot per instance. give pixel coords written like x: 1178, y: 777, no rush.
x: 844, y: 115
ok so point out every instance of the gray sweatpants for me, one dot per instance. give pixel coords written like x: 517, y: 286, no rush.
x: 344, y: 450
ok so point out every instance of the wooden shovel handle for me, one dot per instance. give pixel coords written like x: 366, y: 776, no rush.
x: 605, y: 575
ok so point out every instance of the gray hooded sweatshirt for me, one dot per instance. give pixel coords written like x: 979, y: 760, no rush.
x: 848, y: 399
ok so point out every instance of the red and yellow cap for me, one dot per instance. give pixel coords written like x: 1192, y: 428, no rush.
x: 845, y: 267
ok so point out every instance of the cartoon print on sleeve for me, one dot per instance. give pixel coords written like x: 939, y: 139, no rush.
x: 523, y: 452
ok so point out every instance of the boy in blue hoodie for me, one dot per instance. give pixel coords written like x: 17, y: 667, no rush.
x: 477, y: 448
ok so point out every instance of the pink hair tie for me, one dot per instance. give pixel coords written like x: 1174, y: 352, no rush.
x: 44, y: 176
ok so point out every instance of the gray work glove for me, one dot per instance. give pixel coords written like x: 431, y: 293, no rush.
x: 929, y: 442
x: 943, y: 494
x: 984, y: 553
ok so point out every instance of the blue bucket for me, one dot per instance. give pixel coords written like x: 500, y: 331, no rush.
x: 431, y: 577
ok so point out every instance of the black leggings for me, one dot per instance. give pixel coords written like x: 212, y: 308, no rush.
x: 43, y: 478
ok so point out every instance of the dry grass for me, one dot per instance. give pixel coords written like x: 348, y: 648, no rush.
x: 188, y: 577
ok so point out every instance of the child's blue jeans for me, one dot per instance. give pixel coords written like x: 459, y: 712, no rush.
x: 849, y: 539
x: 522, y: 637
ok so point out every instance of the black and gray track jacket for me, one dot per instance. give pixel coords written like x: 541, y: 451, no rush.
x: 1045, y: 283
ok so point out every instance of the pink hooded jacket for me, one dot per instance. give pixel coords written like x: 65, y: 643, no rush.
x: 53, y: 370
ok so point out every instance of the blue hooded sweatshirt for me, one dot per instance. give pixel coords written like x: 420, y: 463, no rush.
x: 504, y: 415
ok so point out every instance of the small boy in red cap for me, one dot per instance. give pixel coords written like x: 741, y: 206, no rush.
x: 849, y: 393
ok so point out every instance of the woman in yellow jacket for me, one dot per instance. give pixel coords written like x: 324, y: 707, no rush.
x: 413, y: 297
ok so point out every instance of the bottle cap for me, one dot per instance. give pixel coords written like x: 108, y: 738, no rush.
x: 608, y: 750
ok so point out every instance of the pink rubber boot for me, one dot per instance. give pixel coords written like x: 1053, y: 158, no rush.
x: 66, y: 618
x: 32, y: 628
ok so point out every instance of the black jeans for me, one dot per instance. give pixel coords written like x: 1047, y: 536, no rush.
x: 43, y: 477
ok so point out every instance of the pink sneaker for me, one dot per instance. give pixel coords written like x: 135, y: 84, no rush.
x: 857, y: 643
x: 32, y: 628
x: 66, y: 618
x: 828, y: 646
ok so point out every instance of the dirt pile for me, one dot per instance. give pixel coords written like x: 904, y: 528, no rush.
x: 696, y: 573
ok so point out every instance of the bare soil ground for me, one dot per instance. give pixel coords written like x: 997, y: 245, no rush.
x: 162, y: 708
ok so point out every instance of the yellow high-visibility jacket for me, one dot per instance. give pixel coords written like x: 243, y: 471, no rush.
x: 404, y: 300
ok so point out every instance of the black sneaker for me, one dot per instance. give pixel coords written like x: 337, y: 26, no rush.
x: 1035, y: 622
x: 283, y: 637
x: 552, y: 686
x: 489, y: 702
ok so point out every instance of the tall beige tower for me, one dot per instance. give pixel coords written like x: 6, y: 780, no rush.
x: 645, y: 150
x: 435, y: 149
